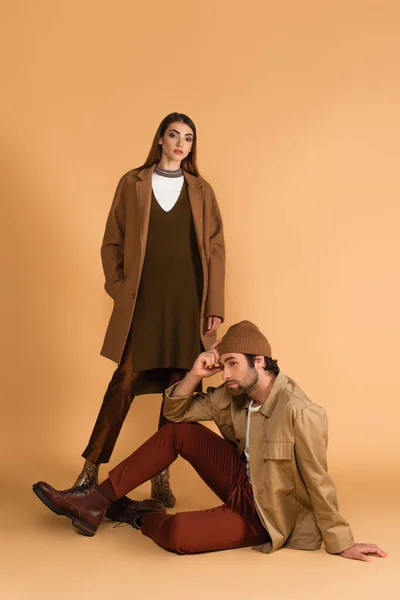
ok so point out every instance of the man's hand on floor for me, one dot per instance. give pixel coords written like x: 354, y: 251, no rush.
x: 363, y: 552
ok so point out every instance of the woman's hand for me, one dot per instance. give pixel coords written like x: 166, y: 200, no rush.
x: 212, y: 325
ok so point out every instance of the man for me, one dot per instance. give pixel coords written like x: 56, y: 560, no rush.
x: 269, y: 469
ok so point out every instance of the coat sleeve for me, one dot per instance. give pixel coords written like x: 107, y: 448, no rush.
x: 112, y: 248
x: 188, y: 409
x: 311, y: 440
x: 215, y: 302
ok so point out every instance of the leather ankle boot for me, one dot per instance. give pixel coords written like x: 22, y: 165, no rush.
x: 161, y: 490
x: 84, y: 505
x: 89, y: 475
x: 130, y: 511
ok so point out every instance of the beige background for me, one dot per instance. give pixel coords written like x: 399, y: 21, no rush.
x: 297, y: 108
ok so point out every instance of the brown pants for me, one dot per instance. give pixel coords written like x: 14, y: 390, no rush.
x: 232, y: 525
x: 120, y: 393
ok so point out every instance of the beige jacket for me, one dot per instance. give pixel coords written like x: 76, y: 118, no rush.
x: 124, y: 248
x: 293, y: 492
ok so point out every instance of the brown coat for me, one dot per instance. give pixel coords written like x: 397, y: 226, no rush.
x: 124, y: 247
x: 293, y: 492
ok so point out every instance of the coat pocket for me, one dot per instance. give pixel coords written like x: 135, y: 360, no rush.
x: 113, y: 288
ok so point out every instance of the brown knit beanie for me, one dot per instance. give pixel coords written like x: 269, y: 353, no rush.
x: 245, y: 338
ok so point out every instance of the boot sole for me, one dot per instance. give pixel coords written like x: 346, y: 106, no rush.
x: 81, y: 526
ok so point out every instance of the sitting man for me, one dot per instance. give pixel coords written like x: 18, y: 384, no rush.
x: 269, y: 468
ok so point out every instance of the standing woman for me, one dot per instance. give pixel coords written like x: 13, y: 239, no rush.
x: 163, y: 257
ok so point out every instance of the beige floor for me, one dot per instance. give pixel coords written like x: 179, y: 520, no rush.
x: 43, y: 557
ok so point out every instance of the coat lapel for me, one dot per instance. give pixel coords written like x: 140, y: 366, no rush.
x: 196, y: 200
x: 144, y: 188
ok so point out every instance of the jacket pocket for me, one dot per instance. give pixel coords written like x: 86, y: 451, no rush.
x: 277, y: 469
x: 278, y: 451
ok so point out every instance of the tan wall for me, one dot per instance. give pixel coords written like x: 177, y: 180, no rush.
x: 297, y: 107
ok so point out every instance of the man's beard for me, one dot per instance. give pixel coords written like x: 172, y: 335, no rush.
x: 247, y: 384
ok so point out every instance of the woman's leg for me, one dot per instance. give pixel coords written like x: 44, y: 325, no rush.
x: 116, y: 403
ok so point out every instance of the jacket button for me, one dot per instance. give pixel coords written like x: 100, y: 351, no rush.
x: 237, y: 440
x: 133, y: 295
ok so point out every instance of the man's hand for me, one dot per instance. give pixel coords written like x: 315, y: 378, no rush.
x: 207, y: 363
x: 212, y: 325
x: 362, y: 552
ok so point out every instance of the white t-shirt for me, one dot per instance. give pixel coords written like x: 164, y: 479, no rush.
x: 251, y: 410
x: 167, y: 190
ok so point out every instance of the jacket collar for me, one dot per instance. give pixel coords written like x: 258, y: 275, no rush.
x: 271, y: 400
x: 192, y: 180
x: 145, y: 174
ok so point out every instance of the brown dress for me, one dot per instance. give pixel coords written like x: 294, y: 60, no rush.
x: 165, y: 325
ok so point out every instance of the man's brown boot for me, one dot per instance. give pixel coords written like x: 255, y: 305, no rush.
x: 130, y: 511
x: 84, y: 505
x: 89, y: 474
x: 161, y: 489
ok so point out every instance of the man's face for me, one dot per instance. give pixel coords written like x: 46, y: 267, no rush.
x: 240, y: 378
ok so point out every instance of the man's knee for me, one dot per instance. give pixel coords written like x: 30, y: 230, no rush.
x: 181, y: 433
x: 185, y: 431
x: 182, y: 429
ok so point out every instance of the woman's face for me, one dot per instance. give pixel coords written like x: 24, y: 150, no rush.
x: 177, y: 141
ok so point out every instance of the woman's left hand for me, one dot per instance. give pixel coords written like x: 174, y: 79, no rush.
x: 212, y: 325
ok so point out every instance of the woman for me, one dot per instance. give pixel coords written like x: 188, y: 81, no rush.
x: 163, y: 257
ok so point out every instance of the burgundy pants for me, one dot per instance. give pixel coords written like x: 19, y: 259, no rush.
x: 116, y: 403
x: 232, y: 525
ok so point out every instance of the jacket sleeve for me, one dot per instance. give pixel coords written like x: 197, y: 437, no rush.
x: 215, y: 302
x: 188, y: 409
x: 311, y: 440
x: 112, y: 248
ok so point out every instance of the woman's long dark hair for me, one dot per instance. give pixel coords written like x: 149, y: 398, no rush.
x: 189, y: 163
